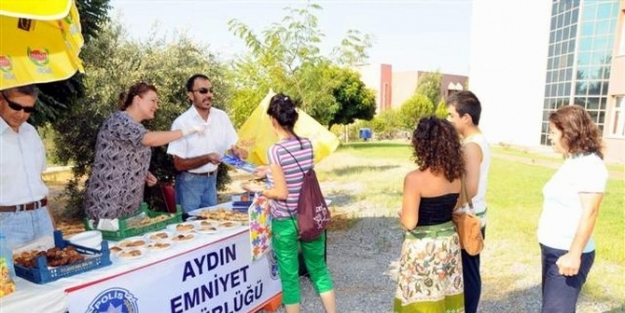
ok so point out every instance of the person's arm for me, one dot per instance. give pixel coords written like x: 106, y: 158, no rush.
x: 159, y: 138
x: 569, y: 263
x: 279, y: 190
x: 185, y: 164
x: 472, y: 154
x: 409, y: 216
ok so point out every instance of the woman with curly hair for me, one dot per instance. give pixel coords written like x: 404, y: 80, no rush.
x: 570, y: 207
x: 430, y: 269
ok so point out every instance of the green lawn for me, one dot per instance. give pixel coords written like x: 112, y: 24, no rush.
x: 514, y: 199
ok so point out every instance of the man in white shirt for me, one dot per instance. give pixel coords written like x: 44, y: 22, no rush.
x: 464, y: 112
x: 24, y: 215
x: 196, y: 157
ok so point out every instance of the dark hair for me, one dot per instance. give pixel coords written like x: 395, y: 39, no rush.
x: 191, y: 80
x: 138, y: 89
x: 466, y: 102
x: 30, y: 90
x: 579, y: 132
x: 282, y: 109
x: 437, y: 147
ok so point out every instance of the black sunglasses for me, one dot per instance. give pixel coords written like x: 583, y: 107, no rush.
x: 204, y: 90
x: 17, y: 106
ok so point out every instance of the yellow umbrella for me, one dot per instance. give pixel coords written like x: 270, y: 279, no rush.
x: 256, y: 134
x: 38, y: 50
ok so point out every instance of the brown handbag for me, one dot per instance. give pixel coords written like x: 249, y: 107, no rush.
x: 468, y: 225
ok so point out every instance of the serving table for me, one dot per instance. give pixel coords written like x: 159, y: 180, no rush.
x: 213, y: 273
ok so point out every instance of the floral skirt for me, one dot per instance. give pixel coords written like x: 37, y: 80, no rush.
x: 430, y: 271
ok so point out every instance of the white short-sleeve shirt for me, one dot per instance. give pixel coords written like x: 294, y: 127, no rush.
x: 562, y: 207
x: 22, y: 161
x: 218, y: 136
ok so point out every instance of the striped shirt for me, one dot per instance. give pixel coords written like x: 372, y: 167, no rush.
x: 303, y: 153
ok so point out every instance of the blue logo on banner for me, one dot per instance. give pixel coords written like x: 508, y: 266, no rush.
x: 114, y: 300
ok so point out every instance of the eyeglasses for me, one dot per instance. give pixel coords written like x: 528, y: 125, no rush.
x: 204, y: 90
x: 17, y: 106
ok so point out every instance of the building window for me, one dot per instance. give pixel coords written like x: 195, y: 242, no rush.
x: 618, y: 118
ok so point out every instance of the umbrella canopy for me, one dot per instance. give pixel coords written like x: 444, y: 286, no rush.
x: 38, y: 50
x: 256, y: 134
x: 45, y: 10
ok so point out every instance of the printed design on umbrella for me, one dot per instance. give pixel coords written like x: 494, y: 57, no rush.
x: 260, y: 227
x: 73, y: 28
x: 6, y: 64
x: 39, y: 57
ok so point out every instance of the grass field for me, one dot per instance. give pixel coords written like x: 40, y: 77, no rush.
x: 376, y: 171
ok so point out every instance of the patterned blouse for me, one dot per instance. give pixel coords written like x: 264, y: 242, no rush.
x: 115, y: 188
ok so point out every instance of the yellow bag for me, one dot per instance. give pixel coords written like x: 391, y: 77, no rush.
x: 256, y: 134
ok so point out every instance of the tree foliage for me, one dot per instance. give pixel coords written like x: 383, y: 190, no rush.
x: 429, y: 85
x: 386, y: 123
x: 286, y: 57
x: 354, y: 99
x: 413, y: 109
x: 441, y: 109
x: 113, y: 63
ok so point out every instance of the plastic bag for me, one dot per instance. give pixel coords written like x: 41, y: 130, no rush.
x: 256, y: 134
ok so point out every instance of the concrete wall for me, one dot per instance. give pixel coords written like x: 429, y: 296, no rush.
x: 404, y: 86
x: 615, y: 145
x: 371, y: 75
x: 508, y: 61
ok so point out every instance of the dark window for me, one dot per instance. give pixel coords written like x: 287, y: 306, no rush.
x: 592, y: 103
x: 567, y: 89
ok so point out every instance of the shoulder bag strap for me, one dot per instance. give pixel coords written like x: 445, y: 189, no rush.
x: 303, y: 173
x: 464, y: 194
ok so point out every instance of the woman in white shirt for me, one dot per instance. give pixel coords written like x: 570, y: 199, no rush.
x: 571, y: 204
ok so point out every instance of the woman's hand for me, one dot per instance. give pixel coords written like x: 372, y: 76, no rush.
x: 568, y: 264
x: 151, y: 180
x: 252, y: 187
x: 238, y: 152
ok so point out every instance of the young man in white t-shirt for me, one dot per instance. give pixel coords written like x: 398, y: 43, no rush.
x: 464, y: 112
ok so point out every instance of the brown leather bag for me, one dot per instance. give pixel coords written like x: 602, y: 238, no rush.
x: 468, y: 225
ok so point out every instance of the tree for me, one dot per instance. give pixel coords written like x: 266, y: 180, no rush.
x: 355, y: 101
x: 386, y: 123
x: 441, y: 109
x: 287, y: 58
x: 112, y: 64
x: 413, y: 109
x: 429, y: 85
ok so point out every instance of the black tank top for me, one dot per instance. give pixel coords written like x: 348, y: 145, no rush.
x: 436, y: 210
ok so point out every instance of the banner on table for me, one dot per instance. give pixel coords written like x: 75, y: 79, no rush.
x: 216, y: 278
x: 260, y: 227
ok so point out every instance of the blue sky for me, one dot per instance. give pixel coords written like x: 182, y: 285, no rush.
x: 409, y: 35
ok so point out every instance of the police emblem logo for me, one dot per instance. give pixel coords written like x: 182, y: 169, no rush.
x: 114, y: 300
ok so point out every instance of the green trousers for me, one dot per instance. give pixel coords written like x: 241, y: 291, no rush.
x: 286, y: 245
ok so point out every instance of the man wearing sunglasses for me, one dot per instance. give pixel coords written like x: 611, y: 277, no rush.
x: 196, y: 157
x: 24, y: 216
